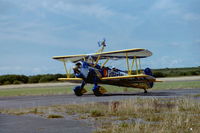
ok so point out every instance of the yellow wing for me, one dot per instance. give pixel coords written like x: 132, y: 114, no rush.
x: 120, y: 54
x: 152, y: 79
x: 108, y: 78
x: 71, y: 58
x: 128, y: 53
x: 125, y: 77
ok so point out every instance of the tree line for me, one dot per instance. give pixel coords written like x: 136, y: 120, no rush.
x: 23, y: 79
x: 176, y: 72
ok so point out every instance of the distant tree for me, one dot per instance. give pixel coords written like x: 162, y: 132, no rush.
x: 47, y: 78
x: 6, y: 82
x: 17, y: 82
x: 194, y: 73
x: 34, y: 79
x: 182, y: 74
x: 12, y: 78
x: 159, y: 74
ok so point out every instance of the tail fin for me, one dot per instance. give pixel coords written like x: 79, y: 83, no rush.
x: 148, y: 71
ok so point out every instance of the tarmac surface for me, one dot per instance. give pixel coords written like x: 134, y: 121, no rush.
x: 33, y: 124
x: 35, y: 101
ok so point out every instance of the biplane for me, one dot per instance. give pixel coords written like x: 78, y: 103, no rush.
x: 87, y: 69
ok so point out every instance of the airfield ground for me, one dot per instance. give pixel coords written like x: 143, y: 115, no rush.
x: 63, y: 88
x: 172, y: 106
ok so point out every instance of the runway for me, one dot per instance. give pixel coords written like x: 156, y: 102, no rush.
x: 35, y: 101
x: 35, y: 124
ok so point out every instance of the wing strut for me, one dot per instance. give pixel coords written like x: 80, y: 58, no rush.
x: 67, y: 71
x: 130, y: 66
x: 105, y: 62
x: 127, y: 63
x: 96, y: 62
x: 140, y: 68
x: 136, y: 63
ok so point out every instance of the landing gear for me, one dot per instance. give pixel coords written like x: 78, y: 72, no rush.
x: 98, y: 90
x: 92, y: 78
x: 145, y: 91
x: 79, y: 90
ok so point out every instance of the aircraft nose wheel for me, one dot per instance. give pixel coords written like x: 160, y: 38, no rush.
x: 98, y: 90
x: 78, y: 91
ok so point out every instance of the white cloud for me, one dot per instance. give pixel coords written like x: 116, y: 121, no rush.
x: 168, y: 61
x: 197, y: 41
x: 43, y: 32
x: 2, y: 68
x: 180, y: 44
x: 91, y: 9
x: 172, y: 7
x: 191, y: 17
x: 164, y: 5
x: 30, y: 70
x: 163, y: 62
x: 186, y: 44
x: 65, y: 7
x: 11, y: 69
x: 34, y: 32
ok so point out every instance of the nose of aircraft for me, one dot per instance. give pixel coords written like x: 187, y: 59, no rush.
x: 76, y: 69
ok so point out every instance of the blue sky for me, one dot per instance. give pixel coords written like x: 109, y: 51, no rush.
x: 32, y: 31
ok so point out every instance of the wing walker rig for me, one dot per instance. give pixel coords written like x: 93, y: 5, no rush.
x: 88, y: 70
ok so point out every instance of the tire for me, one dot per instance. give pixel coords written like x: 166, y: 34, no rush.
x: 77, y: 91
x: 96, y: 91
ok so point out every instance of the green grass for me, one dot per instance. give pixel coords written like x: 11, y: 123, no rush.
x: 35, y: 91
x: 109, y: 88
x: 53, y: 116
x: 196, y: 95
x: 177, y: 85
x: 54, y: 90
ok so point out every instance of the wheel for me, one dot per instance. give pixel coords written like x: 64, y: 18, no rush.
x: 77, y: 91
x: 145, y: 91
x: 97, y: 91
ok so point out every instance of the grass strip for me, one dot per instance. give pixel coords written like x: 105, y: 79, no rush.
x: 109, y: 88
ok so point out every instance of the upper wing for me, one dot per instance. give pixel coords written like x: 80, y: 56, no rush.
x: 71, y: 58
x: 120, y: 54
x: 128, y: 53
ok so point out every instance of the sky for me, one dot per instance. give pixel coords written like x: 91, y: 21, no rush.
x: 32, y: 31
